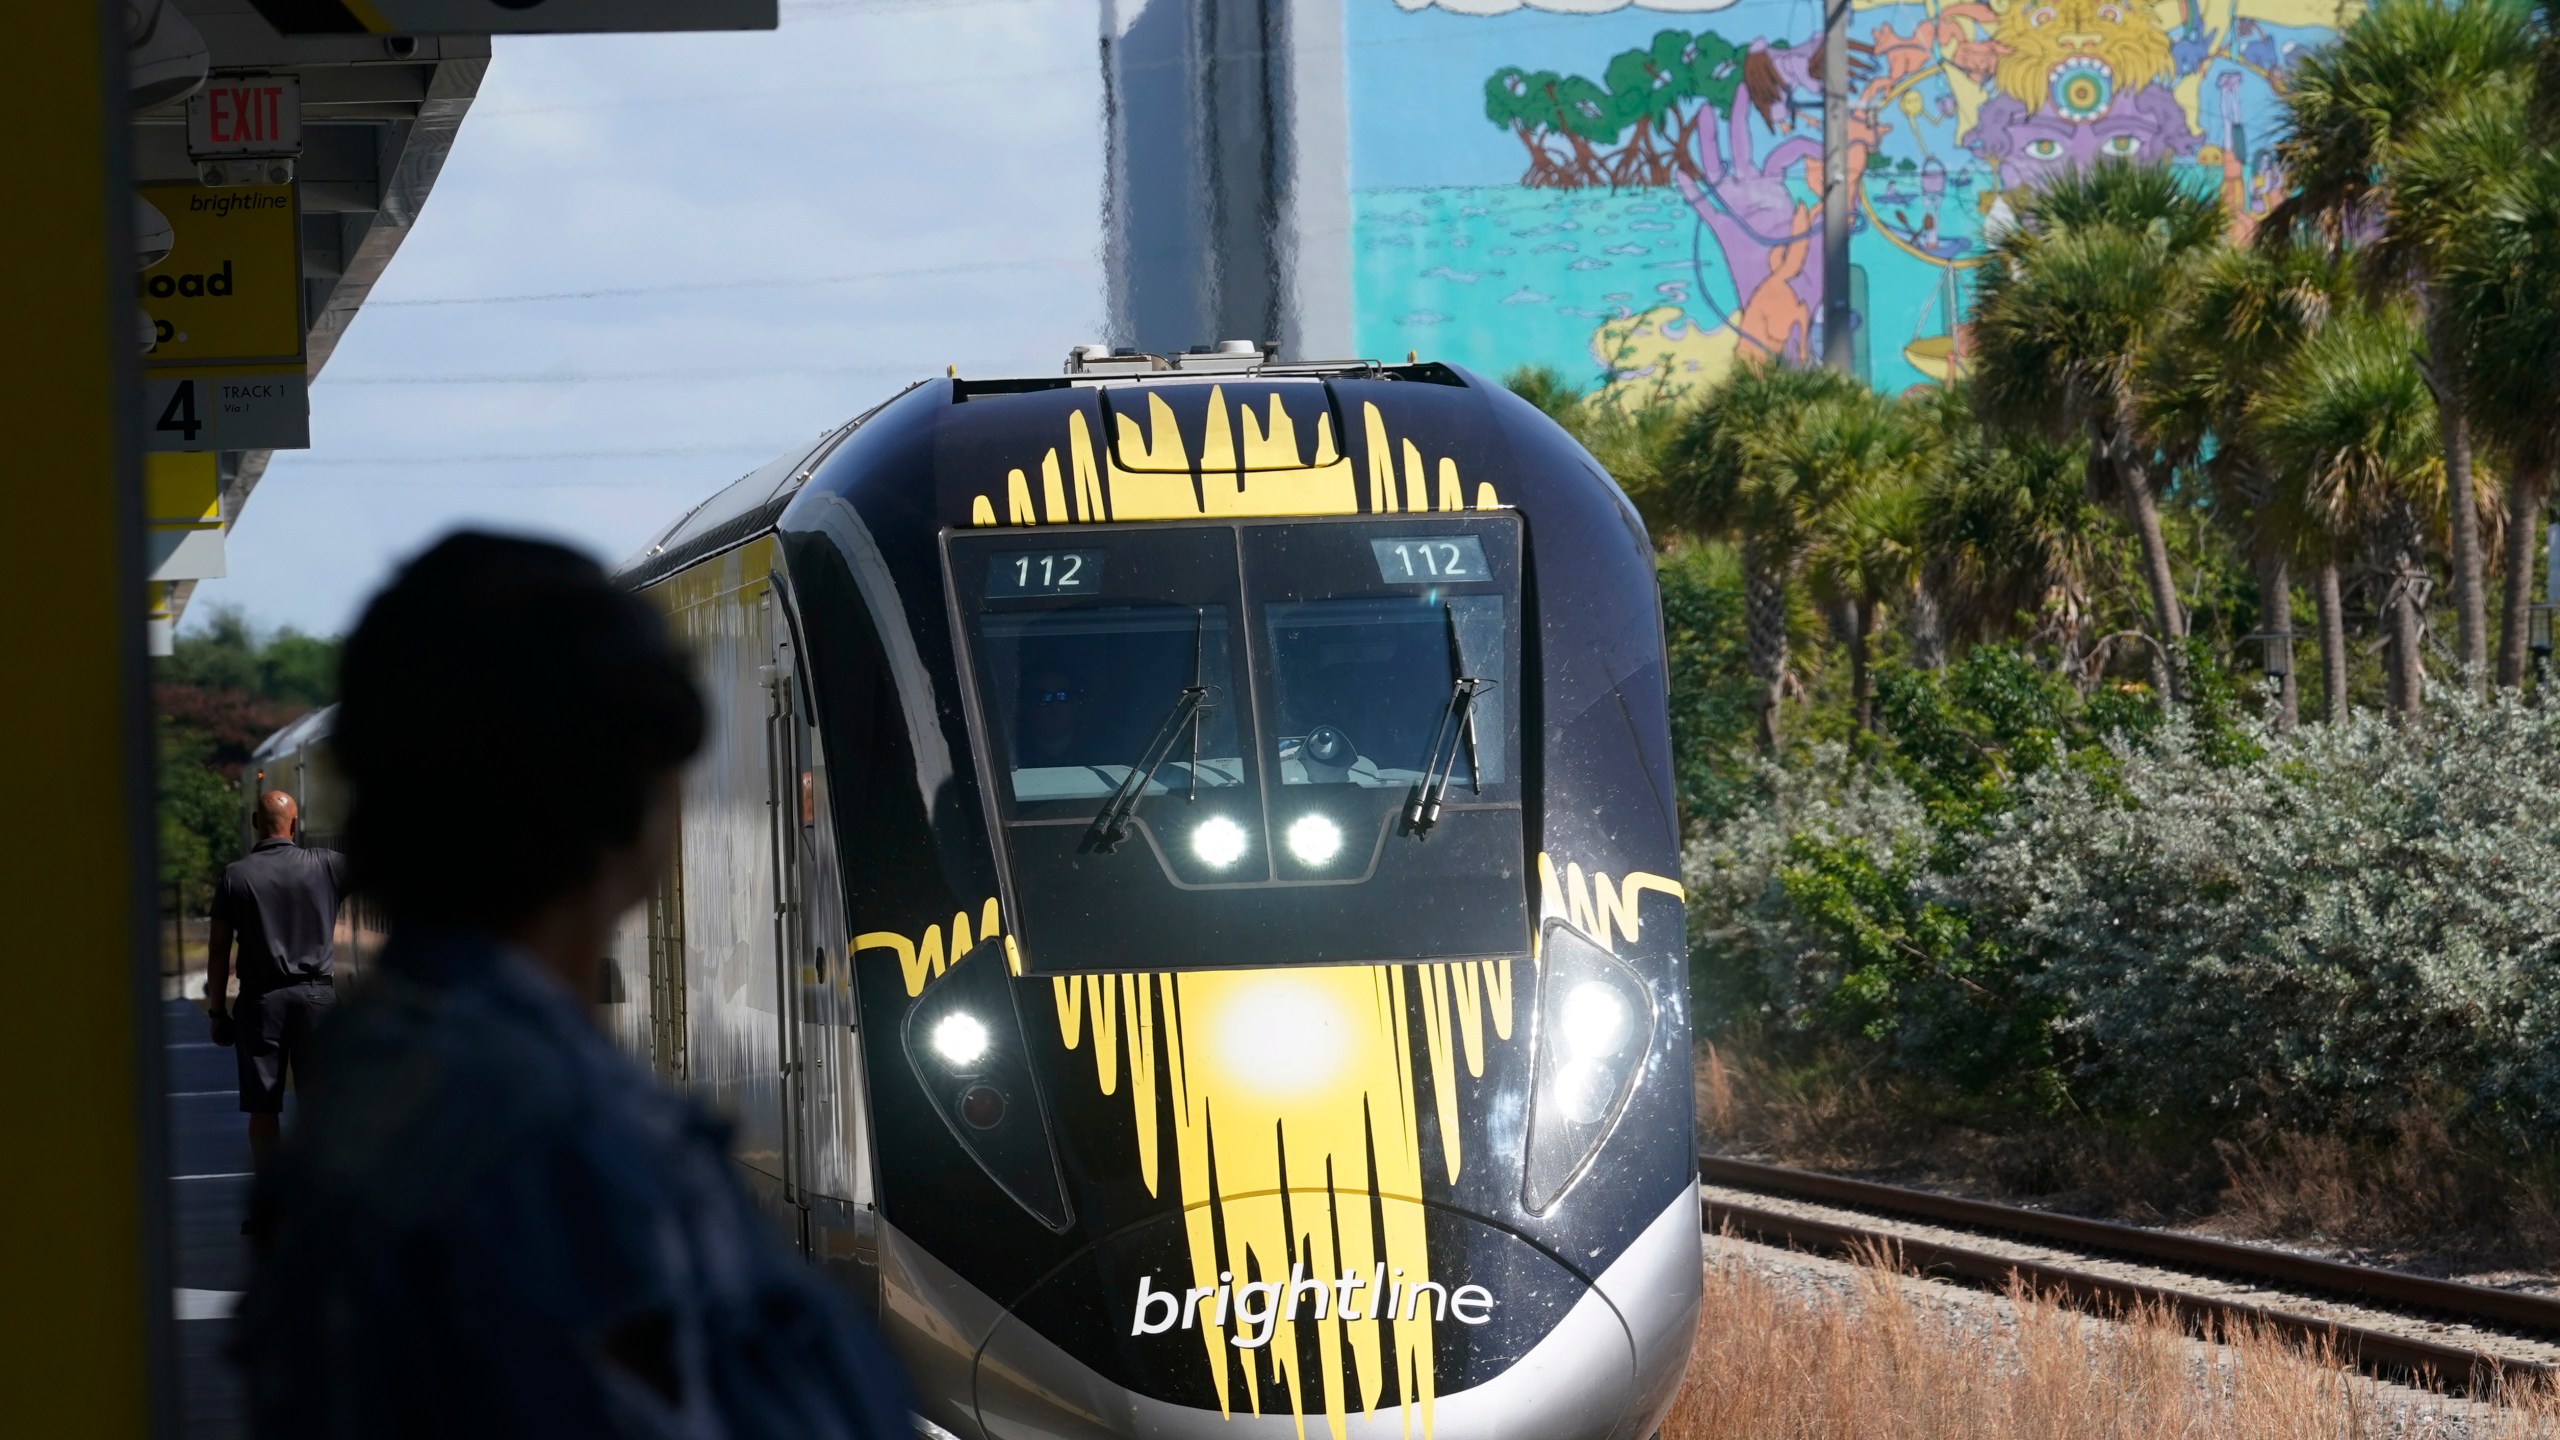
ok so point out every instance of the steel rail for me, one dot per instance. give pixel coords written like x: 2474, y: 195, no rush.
x: 2361, y: 1345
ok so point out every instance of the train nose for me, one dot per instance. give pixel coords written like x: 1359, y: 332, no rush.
x: 1385, y: 1317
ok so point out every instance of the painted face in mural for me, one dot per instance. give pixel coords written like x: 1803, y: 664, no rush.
x: 2079, y: 81
x: 2075, y: 55
x: 2029, y: 145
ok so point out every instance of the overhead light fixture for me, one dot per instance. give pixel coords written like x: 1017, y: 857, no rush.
x: 1218, y: 841
x: 1314, y: 839
x: 167, y: 58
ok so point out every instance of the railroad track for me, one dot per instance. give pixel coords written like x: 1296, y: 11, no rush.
x: 2383, y: 1320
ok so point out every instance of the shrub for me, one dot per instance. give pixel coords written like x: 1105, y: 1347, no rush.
x: 1712, y: 721
x: 2314, y: 933
x: 2186, y: 918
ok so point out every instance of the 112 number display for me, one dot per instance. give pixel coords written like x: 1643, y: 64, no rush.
x: 1044, y: 572
x: 1430, y: 559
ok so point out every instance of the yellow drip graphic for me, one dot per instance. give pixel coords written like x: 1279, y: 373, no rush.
x: 1291, y: 1098
x: 1250, y: 464
x: 923, y: 960
x: 1595, y: 907
x: 1280, y: 1086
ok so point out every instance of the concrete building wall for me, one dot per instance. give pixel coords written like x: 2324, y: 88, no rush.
x: 1227, y: 214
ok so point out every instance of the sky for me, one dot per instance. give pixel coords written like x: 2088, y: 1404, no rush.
x: 788, y: 227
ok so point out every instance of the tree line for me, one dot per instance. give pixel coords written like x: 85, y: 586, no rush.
x: 224, y: 689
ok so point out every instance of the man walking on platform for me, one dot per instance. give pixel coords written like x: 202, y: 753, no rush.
x: 280, y: 903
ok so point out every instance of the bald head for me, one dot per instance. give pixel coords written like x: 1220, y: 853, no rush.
x: 276, y: 814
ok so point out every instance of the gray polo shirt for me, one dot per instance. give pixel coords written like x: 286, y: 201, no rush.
x: 281, y: 901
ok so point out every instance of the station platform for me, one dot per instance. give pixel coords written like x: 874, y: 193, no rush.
x: 209, y: 1196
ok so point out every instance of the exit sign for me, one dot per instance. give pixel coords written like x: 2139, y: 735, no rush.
x: 245, y: 115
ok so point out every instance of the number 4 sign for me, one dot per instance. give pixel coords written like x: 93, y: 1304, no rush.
x: 225, y: 410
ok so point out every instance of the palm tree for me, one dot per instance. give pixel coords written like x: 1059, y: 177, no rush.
x: 2010, y: 533
x: 1739, y: 467
x: 1865, y: 554
x: 2493, y: 191
x: 1632, y: 436
x: 2245, y: 314
x: 2352, y: 110
x: 2353, y: 420
x: 2064, y: 305
x: 2326, y: 543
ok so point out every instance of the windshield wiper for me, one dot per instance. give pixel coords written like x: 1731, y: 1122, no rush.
x: 1457, y: 727
x: 1189, y: 712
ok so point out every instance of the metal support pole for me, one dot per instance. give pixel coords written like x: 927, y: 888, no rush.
x: 1837, y: 350
x: 2538, y: 626
x: 2551, y: 565
x: 83, y: 1220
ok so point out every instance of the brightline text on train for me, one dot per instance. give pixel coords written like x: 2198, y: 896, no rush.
x: 1265, y: 1303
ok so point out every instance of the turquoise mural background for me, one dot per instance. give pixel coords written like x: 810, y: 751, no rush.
x: 1626, y: 191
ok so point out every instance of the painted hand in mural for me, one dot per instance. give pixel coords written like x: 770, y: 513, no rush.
x: 1762, y: 225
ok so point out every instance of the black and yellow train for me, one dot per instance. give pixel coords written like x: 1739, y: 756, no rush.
x: 1180, y: 897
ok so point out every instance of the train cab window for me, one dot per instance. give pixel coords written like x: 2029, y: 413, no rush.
x: 1364, y: 688
x: 1251, y: 743
x: 1078, y: 696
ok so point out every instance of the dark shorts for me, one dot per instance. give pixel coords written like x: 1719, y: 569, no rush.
x: 272, y: 1034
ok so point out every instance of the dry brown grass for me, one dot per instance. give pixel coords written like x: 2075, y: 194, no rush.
x: 2418, y: 1185
x: 1882, y: 1363
x: 2421, y: 1195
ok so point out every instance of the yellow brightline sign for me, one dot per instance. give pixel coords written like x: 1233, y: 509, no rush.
x: 230, y: 289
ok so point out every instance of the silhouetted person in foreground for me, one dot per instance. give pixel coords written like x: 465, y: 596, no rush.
x: 279, y: 903
x: 489, y: 1222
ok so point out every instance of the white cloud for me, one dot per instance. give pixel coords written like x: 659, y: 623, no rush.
x: 1564, y: 7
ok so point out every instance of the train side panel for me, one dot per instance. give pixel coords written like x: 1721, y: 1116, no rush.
x: 722, y: 612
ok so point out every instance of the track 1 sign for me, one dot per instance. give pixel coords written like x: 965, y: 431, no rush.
x: 512, y: 17
x: 192, y: 408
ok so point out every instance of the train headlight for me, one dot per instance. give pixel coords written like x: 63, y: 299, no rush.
x: 1218, y: 841
x: 968, y: 1049
x: 1314, y: 839
x: 1595, y: 1026
x: 960, y: 1039
x: 1596, y: 1022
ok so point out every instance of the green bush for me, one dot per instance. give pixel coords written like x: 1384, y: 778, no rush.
x: 1710, y: 680
x: 2178, y: 917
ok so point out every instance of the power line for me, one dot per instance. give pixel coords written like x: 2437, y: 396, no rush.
x: 831, y: 9
x: 980, y: 80
x: 599, y: 377
x: 727, y: 97
x: 654, y: 452
x: 678, y: 485
x: 616, y: 292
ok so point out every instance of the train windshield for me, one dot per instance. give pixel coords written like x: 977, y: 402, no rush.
x: 1364, y: 688
x: 1251, y: 743
x: 1076, y: 696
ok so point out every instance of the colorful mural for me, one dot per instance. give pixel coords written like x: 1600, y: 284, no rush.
x: 1630, y: 191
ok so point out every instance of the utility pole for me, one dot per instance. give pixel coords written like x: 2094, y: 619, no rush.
x: 1837, y: 351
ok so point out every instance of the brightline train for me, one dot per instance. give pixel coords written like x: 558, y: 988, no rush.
x: 1179, y: 895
